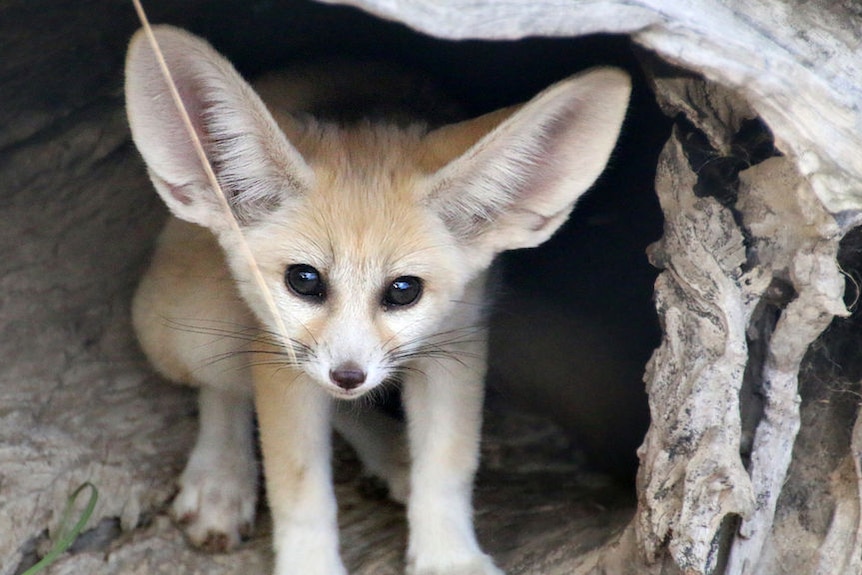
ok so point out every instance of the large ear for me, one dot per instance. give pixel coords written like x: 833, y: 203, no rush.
x: 510, y: 179
x: 255, y: 165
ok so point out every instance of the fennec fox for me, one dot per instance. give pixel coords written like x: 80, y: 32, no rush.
x: 374, y: 238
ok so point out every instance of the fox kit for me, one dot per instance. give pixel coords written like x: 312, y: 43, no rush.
x: 374, y: 238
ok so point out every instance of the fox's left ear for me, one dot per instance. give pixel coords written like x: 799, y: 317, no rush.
x: 509, y: 179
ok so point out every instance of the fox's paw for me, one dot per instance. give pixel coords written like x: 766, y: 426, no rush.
x: 480, y: 565
x: 216, y: 507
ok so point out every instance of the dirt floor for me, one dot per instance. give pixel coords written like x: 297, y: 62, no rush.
x: 536, y: 509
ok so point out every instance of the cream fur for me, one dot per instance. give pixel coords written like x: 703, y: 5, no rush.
x: 364, y: 204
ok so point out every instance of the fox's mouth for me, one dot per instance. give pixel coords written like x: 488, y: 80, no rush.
x: 347, y: 394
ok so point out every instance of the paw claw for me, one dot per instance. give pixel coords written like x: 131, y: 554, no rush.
x: 246, y: 530
x: 185, y: 519
x: 216, y: 509
x: 216, y: 543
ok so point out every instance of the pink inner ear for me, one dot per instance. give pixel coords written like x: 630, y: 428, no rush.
x: 178, y: 192
x: 192, y: 94
x: 543, y: 221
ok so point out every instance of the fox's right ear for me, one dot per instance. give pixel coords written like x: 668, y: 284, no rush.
x: 256, y: 166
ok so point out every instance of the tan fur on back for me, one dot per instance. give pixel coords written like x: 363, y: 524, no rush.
x: 174, y: 304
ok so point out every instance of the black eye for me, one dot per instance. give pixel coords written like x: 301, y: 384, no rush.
x: 305, y: 281
x: 403, y: 291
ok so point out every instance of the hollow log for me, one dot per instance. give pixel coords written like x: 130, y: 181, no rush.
x: 751, y: 462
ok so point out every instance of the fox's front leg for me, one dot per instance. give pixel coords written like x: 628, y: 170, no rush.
x: 293, y: 414
x: 218, y: 489
x: 444, y: 409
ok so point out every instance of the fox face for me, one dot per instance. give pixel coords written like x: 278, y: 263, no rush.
x: 363, y: 272
x: 368, y: 234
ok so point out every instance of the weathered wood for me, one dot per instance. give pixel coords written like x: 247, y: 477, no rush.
x: 691, y: 475
x: 796, y: 240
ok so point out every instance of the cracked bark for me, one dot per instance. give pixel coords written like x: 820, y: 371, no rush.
x: 777, y: 233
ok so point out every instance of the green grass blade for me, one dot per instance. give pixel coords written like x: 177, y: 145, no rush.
x: 66, y: 536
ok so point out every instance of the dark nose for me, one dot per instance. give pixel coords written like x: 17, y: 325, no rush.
x: 347, y: 376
